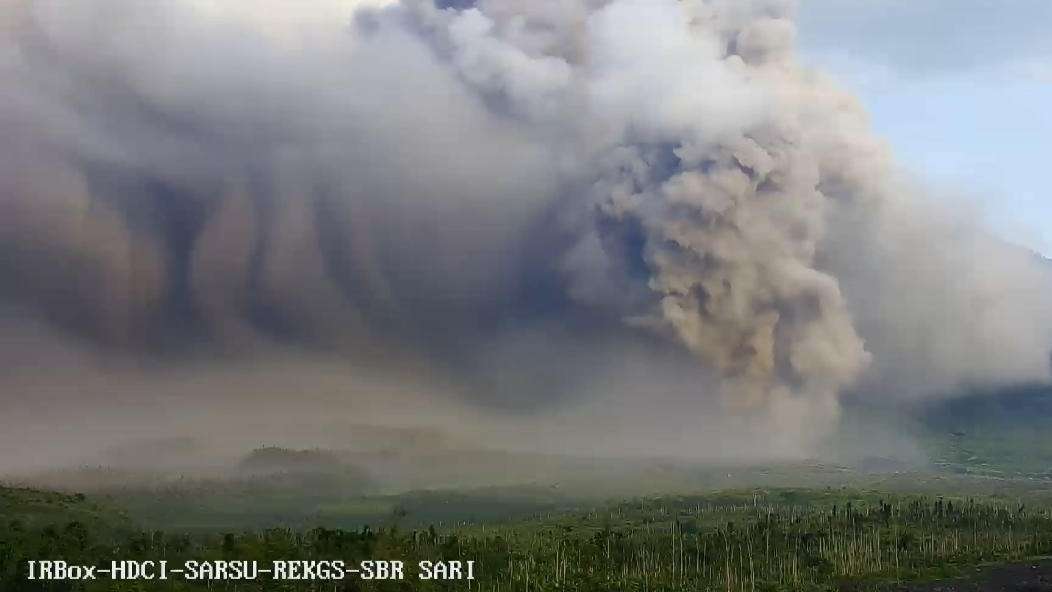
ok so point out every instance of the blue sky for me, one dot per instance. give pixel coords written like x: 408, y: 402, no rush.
x: 961, y: 88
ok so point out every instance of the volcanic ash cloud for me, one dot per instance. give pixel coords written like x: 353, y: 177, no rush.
x: 441, y: 182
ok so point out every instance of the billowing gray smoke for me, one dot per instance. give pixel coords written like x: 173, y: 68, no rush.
x: 510, y: 191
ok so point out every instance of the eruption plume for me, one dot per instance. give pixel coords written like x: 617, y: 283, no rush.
x: 516, y: 195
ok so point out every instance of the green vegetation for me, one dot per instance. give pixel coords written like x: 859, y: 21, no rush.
x: 784, y: 539
x: 33, y: 510
x: 1001, y: 436
x: 780, y: 527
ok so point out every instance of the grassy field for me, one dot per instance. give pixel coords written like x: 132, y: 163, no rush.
x: 745, y: 540
x: 1003, y: 436
x: 984, y: 497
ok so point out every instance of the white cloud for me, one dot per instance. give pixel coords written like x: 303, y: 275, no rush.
x: 287, y: 21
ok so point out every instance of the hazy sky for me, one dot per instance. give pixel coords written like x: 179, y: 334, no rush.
x: 961, y: 88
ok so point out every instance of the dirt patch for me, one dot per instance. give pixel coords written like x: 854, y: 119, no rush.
x: 1029, y: 576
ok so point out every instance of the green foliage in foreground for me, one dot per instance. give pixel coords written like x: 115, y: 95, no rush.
x: 780, y: 540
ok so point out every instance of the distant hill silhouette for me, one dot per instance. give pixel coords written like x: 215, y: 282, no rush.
x: 1000, y: 433
x: 274, y: 458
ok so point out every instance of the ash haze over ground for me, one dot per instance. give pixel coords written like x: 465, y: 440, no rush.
x: 633, y: 227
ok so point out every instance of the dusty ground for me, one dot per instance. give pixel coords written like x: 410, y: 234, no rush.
x: 1030, y: 576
